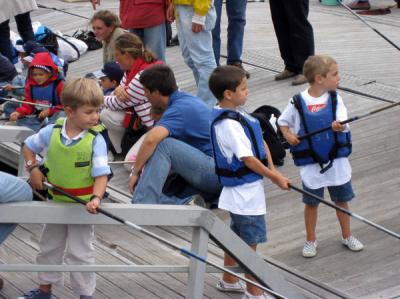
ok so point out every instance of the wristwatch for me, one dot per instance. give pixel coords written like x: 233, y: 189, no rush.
x: 30, y: 164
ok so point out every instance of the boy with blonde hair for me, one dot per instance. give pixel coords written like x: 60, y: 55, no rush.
x: 322, y: 158
x: 77, y: 163
x: 242, y: 159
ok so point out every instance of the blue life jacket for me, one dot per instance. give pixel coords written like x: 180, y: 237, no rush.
x: 324, y: 147
x: 236, y: 173
x: 46, y: 94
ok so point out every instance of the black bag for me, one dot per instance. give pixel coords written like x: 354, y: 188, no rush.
x: 272, y: 137
x: 88, y: 38
x: 133, y: 132
x: 48, y: 39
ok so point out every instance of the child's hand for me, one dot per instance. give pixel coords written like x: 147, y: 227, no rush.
x: 280, y: 180
x: 36, y: 179
x: 291, y: 138
x: 45, y: 113
x: 92, y: 205
x: 8, y: 87
x: 14, y: 116
x: 337, y: 126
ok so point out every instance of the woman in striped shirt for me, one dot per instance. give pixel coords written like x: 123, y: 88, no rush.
x: 129, y: 96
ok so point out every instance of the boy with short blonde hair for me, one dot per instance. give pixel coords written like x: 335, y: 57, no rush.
x: 77, y: 163
x: 322, y: 158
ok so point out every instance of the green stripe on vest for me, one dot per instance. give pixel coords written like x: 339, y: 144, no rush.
x: 70, y: 167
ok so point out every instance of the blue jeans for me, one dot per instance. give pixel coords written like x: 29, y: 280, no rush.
x: 236, y: 12
x: 34, y: 123
x: 12, y: 189
x: 194, y: 166
x: 154, y: 38
x: 197, y: 49
x: 339, y: 194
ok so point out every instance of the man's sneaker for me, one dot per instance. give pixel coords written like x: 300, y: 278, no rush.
x: 353, y: 244
x: 310, y: 249
x: 238, y: 287
x: 263, y: 296
x: 300, y: 79
x: 285, y: 74
x: 36, y: 294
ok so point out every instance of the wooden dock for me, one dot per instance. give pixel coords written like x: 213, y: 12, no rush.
x: 368, y: 64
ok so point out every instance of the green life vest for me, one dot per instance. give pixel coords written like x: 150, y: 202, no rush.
x: 69, y: 167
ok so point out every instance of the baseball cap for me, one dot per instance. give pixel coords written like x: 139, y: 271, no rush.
x: 111, y: 70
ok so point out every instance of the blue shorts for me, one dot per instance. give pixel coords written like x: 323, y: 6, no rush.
x: 251, y: 229
x: 338, y: 194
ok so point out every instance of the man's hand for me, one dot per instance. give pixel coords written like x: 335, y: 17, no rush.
x: 133, y: 180
x: 92, y: 205
x: 14, y: 116
x: 45, y: 113
x: 291, y: 138
x: 121, y: 93
x: 36, y: 179
x: 337, y: 126
x: 196, y: 28
x: 94, y: 3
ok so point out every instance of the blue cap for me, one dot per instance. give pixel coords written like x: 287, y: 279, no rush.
x: 112, y: 70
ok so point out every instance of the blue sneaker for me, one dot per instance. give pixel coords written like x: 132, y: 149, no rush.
x: 36, y: 294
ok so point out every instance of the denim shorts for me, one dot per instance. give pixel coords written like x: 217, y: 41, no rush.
x: 338, y: 194
x: 251, y: 229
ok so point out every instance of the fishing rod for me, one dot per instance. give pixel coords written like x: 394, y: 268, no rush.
x: 60, y: 10
x: 351, y: 214
x: 350, y: 120
x: 366, y: 23
x: 30, y: 103
x: 183, y: 251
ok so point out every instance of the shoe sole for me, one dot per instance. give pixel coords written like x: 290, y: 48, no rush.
x: 353, y: 250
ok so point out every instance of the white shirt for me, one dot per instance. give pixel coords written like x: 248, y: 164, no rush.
x: 246, y: 199
x: 340, y: 172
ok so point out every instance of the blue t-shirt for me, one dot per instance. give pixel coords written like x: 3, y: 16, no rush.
x: 187, y: 118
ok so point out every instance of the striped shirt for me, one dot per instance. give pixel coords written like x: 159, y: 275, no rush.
x: 137, y: 101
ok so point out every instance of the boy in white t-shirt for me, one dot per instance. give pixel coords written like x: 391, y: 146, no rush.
x: 322, y: 158
x: 241, y: 156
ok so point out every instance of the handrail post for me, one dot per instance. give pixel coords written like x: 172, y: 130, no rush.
x: 197, y: 269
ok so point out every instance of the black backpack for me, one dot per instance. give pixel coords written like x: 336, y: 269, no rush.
x: 272, y: 137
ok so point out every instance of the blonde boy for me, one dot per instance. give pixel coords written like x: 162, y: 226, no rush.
x: 322, y: 158
x: 76, y: 162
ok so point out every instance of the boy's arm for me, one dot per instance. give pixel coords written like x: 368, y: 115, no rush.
x: 275, y: 176
x: 99, y: 188
x: 291, y: 138
x: 36, y: 177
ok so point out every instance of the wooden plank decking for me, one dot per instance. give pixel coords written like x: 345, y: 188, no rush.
x: 364, y: 58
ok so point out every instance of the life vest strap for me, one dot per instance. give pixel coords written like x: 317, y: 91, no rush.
x: 74, y: 191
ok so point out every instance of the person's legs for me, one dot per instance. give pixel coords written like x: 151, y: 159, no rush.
x: 80, y: 251
x: 216, y: 32
x: 113, y: 121
x: 344, y: 220
x: 193, y: 165
x: 5, y: 43
x: 199, y: 49
x: 12, y: 189
x: 31, y: 121
x: 155, y: 39
x: 301, y: 36
x: 236, y: 11
x: 310, y: 221
x: 24, y: 26
x: 139, y: 32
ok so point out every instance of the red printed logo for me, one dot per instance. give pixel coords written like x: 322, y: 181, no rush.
x: 315, y: 108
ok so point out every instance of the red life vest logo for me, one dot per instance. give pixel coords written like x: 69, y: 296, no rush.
x: 315, y: 108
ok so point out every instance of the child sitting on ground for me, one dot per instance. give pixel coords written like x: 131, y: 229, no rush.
x: 240, y: 155
x: 322, y: 158
x: 77, y: 163
x: 43, y: 88
x: 110, y: 76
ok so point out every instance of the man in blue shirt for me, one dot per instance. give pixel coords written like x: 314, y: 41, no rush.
x: 180, y: 141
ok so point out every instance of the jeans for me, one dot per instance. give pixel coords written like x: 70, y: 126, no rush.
x: 236, y: 12
x: 34, y: 123
x: 24, y: 26
x: 194, y: 166
x: 154, y: 38
x: 12, y: 189
x: 197, y: 49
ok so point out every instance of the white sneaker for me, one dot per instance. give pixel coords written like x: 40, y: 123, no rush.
x: 310, y: 249
x: 238, y: 287
x: 263, y: 296
x: 353, y: 244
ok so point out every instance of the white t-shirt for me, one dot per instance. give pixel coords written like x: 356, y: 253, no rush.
x: 246, y: 199
x: 340, y: 172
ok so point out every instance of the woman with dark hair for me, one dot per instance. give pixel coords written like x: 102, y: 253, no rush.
x: 107, y: 28
x: 128, y: 98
